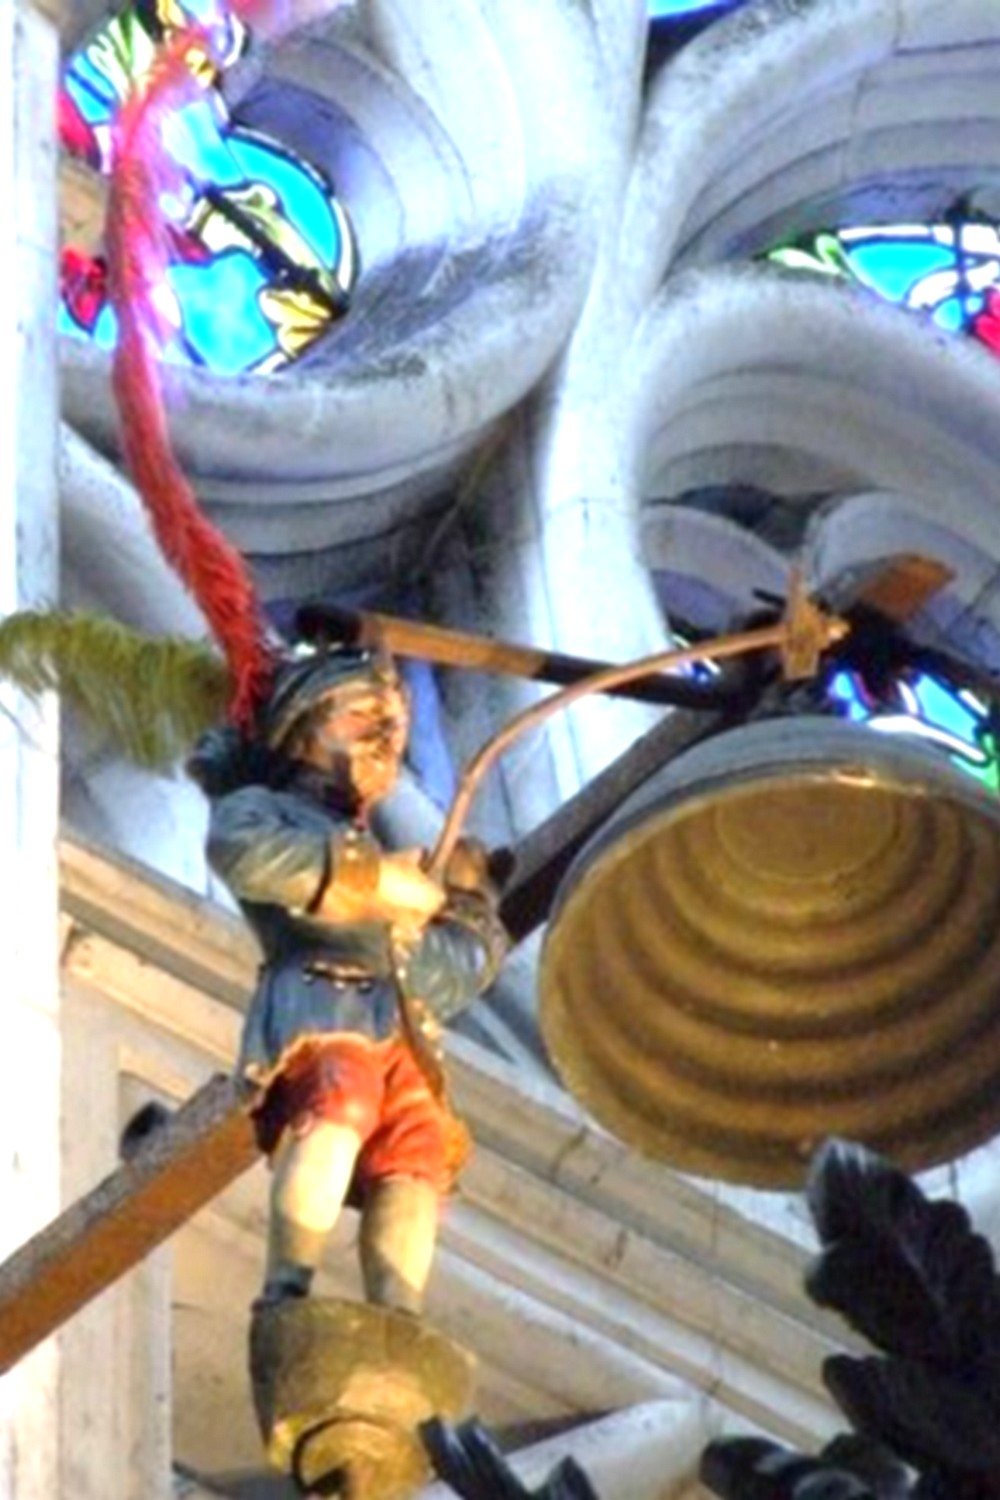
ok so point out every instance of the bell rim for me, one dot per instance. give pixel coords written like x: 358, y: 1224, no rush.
x: 929, y: 773
x: 851, y: 754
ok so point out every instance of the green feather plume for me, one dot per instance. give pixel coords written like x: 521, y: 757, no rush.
x: 153, y: 696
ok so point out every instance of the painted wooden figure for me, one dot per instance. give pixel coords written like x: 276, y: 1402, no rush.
x: 365, y: 955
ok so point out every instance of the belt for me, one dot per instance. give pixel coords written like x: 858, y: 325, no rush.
x: 342, y: 976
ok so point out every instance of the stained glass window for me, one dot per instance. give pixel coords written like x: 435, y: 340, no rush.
x: 950, y: 269
x: 263, y: 256
x: 919, y: 704
x: 665, y: 9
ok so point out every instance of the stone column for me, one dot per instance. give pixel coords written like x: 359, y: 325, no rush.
x: 30, y: 1068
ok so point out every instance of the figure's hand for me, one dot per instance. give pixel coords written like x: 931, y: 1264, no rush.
x: 403, y: 895
x: 413, y: 896
x: 468, y: 866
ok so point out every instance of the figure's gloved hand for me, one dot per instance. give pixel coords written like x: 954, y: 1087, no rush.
x: 475, y: 870
x: 468, y: 867
x: 405, y: 890
x: 369, y: 885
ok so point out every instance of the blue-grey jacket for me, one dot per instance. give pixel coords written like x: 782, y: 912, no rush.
x: 273, y: 850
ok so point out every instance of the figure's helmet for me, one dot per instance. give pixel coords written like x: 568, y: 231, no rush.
x: 344, y: 714
x: 343, y: 711
x: 311, y: 681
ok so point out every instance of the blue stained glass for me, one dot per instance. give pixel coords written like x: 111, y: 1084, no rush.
x: 306, y: 202
x: 952, y: 314
x: 263, y: 257
x: 658, y: 8
x: 224, y: 326
x: 919, y: 272
x: 959, y: 715
x: 893, y: 268
x: 91, y: 91
x: 695, y: 671
x: 845, y: 689
x: 950, y: 269
x: 223, y: 322
x: 680, y: 10
x: 195, y: 140
x: 205, y: 11
x: 927, y: 708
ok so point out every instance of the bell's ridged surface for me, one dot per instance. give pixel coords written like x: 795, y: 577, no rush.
x: 792, y: 932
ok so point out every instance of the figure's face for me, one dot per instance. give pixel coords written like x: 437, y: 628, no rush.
x: 359, y: 739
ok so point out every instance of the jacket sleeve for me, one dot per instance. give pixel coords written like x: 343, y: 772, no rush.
x: 457, y: 956
x: 265, y: 852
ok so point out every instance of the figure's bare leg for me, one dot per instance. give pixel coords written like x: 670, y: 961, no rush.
x: 398, y: 1233
x: 311, y: 1176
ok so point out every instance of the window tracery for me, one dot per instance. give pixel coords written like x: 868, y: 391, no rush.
x: 262, y: 254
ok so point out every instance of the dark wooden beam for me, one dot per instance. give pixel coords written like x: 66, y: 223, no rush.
x: 333, y: 623
x: 543, y: 857
x: 180, y: 1168
x: 209, y: 1142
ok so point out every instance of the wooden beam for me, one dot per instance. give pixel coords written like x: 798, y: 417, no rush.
x: 209, y: 1142
x: 333, y: 623
x: 543, y: 857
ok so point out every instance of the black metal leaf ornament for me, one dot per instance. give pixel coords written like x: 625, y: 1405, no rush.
x: 755, y: 1469
x: 468, y: 1460
x: 910, y: 1274
x: 915, y: 1278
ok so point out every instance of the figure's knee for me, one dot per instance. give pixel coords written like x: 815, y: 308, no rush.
x: 312, y: 1173
x: 399, y: 1224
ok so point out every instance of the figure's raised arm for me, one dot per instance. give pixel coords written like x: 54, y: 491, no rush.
x: 367, y: 883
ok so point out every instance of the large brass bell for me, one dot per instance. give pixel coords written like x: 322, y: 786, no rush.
x: 792, y: 932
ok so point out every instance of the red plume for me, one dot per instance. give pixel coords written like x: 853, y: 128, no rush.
x: 137, y: 248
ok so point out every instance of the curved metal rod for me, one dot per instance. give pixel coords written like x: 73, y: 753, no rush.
x: 804, y: 628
